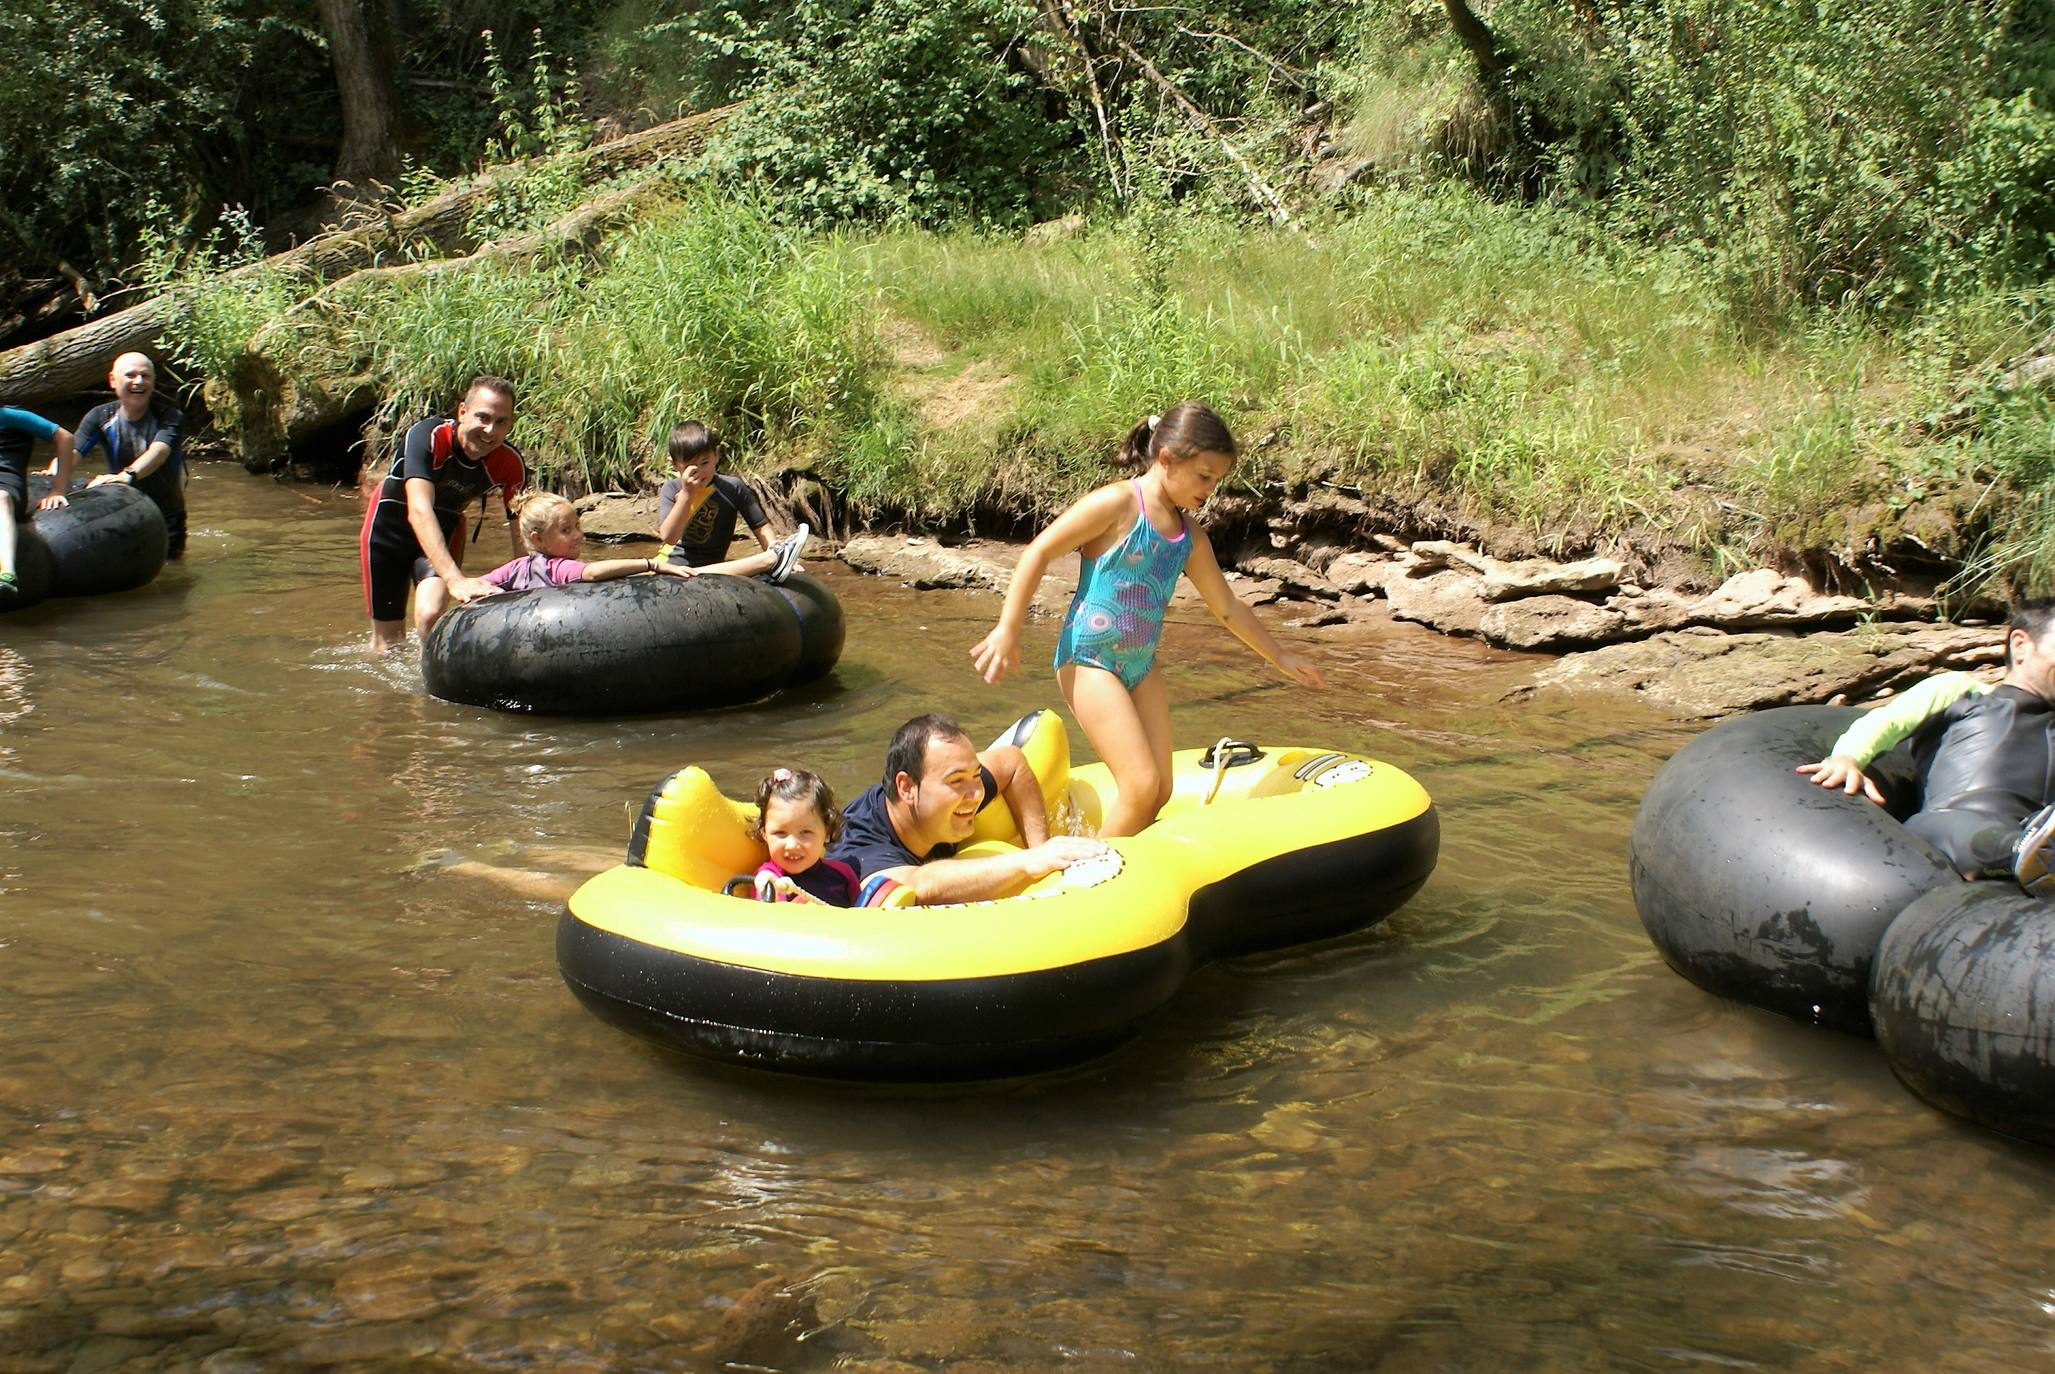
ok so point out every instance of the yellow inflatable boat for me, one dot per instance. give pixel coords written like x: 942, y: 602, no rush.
x: 1259, y: 847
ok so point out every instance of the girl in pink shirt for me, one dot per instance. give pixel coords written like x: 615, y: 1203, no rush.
x: 549, y: 526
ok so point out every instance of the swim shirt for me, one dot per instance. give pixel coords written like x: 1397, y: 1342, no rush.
x: 431, y: 452
x: 869, y: 844
x: 536, y: 570
x: 711, y: 528
x: 126, y: 439
x: 1979, y: 746
x: 19, y: 431
x: 829, y: 880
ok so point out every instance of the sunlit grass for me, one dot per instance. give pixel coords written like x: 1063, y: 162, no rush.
x: 1512, y: 363
x: 1510, y: 360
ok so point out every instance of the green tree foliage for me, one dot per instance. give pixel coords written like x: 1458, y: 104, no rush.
x: 879, y: 109
x: 1872, y: 152
x: 1875, y: 152
x: 105, y: 104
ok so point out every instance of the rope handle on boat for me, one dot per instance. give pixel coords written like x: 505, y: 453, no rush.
x: 1227, y: 752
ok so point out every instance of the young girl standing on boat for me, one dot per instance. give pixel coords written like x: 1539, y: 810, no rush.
x: 1134, y: 538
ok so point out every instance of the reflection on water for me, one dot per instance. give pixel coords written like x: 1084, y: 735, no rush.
x: 287, y: 1084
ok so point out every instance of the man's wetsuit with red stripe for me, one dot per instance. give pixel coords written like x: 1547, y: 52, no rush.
x: 391, y: 555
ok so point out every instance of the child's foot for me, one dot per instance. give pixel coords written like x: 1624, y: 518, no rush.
x: 2031, y: 865
x: 787, y: 551
x: 10, y: 588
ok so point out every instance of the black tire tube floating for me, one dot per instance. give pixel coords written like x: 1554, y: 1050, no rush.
x: 822, y: 629
x: 634, y: 646
x: 1963, y: 997
x: 110, y: 538
x: 1758, y: 885
x: 35, y: 571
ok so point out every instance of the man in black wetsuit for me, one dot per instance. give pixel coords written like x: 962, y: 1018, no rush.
x: 907, y: 828
x: 414, y: 529
x: 141, y: 434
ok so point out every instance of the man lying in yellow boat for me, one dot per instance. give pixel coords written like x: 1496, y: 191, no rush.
x: 905, y: 830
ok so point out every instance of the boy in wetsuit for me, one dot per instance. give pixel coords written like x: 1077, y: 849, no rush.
x: 141, y: 432
x: 19, y: 429
x: 414, y: 527
x: 696, y: 512
x: 1985, y: 753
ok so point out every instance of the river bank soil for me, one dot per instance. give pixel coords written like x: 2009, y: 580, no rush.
x: 1761, y: 638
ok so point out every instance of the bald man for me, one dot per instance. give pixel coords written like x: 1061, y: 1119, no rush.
x: 140, y: 433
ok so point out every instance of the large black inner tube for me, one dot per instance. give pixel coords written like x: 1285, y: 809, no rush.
x: 632, y: 646
x: 108, y: 539
x: 821, y: 626
x: 1963, y: 993
x: 1758, y: 885
x: 35, y: 571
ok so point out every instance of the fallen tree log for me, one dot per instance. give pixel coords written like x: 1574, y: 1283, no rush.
x: 273, y: 402
x: 77, y: 359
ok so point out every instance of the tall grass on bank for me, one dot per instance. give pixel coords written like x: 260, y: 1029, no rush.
x: 707, y: 310
x: 1505, y: 364
x: 1512, y: 364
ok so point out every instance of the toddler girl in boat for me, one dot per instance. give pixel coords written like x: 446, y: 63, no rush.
x: 549, y: 527
x: 797, y: 819
x: 1136, y: 537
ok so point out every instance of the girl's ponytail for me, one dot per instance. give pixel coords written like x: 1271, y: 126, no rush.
x: 1186, y: 428
x: 1134, y: 450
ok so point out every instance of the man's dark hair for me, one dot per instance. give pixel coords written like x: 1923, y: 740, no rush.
x: 691, y: 439
x: 2034, y: 615
x: 487, y: 382
x: 908, y: 753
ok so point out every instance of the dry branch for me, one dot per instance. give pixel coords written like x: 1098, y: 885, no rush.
x: 1266, y: 195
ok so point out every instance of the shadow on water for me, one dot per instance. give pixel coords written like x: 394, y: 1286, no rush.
x: 285, y: 1084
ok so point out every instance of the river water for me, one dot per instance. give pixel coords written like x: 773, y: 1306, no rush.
x: 289, y: 1079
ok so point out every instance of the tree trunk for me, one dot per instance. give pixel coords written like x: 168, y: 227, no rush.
x: 1482, y: 43
x: 76, y: 360
x: 360, y: 46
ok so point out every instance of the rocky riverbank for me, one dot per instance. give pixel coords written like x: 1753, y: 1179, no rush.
x: 1761, y: 638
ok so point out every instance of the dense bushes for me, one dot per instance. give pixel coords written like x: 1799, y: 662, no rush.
x: 116, y: 114
x: 1883, y: 153
x: 708, y: 311
x: 125, y: 117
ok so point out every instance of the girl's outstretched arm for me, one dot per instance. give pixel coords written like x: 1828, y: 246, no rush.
x: 1231, y: 611
x: 1090, y: 517
x: 606, y: 570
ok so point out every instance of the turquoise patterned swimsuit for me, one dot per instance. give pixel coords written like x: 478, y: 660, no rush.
x: 1117, y: 614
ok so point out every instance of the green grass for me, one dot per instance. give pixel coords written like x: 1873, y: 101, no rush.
x: 1510, y: 364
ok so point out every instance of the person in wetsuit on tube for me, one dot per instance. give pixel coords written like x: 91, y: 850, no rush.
x: 414, y: 529
x: 1985, y: 753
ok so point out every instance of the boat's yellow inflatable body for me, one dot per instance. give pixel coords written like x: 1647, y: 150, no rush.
x: 1258, y: 847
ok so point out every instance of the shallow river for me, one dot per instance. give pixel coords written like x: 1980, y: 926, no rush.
x: 286, y: 1083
